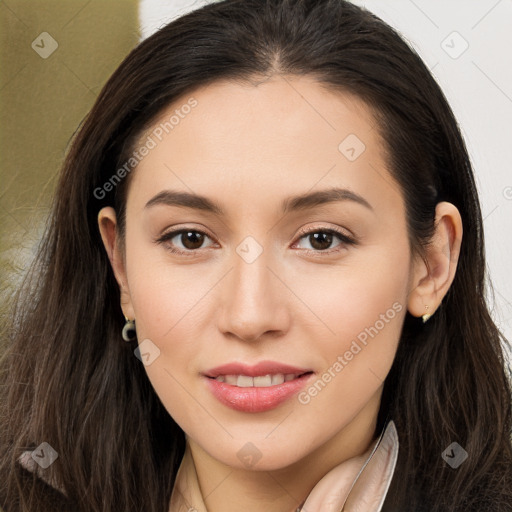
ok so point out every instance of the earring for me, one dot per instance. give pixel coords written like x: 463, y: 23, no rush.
x: 426, y: 316
x: 129, y: 333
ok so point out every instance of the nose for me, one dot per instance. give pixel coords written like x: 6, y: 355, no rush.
x: 253, y: 301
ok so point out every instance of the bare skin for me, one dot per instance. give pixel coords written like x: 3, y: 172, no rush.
x: 299, y: 302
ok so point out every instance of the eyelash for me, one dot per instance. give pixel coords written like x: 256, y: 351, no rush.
x: 345, y: 240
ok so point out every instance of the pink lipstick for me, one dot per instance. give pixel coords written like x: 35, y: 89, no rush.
x: 257, y: 388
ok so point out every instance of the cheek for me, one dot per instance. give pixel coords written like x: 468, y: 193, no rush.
x: 165, y: 295
x: 359, y: 300
x: 356, y: 366
x: 367, y: 316
x: 360, y: 308
x: 170, y: 316
x: 169, y: 305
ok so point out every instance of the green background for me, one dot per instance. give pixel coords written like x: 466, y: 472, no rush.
x: 43, y: 100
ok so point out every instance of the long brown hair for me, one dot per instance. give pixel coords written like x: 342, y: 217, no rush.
x: 67, y: 377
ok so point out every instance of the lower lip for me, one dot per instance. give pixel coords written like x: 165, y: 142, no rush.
x: 253, y: 399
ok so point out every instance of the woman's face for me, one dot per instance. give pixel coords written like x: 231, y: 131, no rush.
x: 264, y: 277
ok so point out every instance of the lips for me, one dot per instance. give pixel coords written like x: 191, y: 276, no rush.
x: 259, y: 370
x: 246, y: 388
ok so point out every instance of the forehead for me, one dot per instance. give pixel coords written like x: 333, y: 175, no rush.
x: 284, y: 135
x: 281, y: 107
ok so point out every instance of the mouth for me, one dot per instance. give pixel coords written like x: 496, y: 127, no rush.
x: 262, y: 381
x: 256, y: 394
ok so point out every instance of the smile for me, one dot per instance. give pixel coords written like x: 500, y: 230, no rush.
x: 264, y: 381
x: 256, y: 394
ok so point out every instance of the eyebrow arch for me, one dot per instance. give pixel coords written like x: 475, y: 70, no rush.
x: 320, y: 197
x: 301, y: 202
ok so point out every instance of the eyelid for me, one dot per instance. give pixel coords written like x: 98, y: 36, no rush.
x: 168, y: 235
x: 338, y: 231
x: 345, y: 239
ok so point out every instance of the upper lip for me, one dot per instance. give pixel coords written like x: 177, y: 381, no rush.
x: 257, y: 370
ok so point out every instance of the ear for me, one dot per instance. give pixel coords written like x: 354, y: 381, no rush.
x: 433, y: 276
x: 107, y: 223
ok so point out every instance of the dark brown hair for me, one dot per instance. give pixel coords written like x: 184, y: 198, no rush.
x: 68, y: 378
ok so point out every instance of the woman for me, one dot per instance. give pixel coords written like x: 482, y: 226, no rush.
x: 262, y: 285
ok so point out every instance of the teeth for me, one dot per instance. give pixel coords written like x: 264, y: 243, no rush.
x: 263, y: 381
x: 245, y: 381
x: 277, y: 379
x: 230, y: 379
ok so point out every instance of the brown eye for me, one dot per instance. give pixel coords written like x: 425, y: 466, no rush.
x: 321, y: 240
x: 192, y: 239
x: 183, y: 241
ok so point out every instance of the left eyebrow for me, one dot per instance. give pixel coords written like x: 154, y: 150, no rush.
x: 294, y: 203
x: 320, y: 197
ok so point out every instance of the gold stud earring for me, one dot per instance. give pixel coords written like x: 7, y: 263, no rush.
x: 426, y: 316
